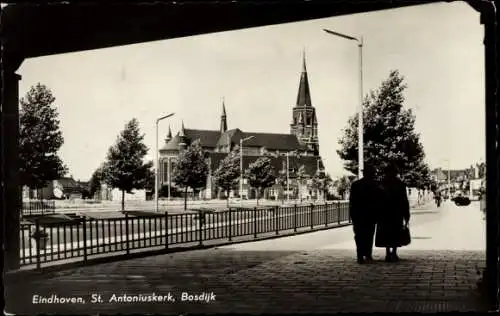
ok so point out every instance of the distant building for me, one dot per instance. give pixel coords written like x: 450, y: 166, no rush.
x: 441, y: 175
x: 302, y: 139
x: 63, y: 188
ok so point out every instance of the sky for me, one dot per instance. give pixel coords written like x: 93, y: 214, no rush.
x: 436, y: 47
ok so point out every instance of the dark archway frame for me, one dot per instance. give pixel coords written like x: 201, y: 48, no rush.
x: 30, y: 30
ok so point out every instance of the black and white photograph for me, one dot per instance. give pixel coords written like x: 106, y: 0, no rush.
x: 332, y: 163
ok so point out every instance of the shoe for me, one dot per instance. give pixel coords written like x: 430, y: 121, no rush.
x: 395, y: 258
x: 361, y: 260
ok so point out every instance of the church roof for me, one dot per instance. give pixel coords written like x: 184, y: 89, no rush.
x: 273, y: 141
x: 173, y: 144
x: 207, y: 138
x: 212, y: 139
x: 232, y: 135
x: 304, y: 94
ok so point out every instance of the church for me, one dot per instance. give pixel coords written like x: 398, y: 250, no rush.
x: 300, y: 147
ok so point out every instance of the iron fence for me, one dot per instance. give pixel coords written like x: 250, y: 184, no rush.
x: 43, y: 242
x: 35, y: 208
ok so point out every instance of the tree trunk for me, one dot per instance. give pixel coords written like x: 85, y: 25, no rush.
x: 185, y: 197
x: 257, y: 195
x: 123, y: 200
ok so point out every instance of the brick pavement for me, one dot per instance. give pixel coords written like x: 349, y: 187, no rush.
x: 282, y: 276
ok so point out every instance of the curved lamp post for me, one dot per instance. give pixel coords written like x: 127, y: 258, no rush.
x: 360, y: 116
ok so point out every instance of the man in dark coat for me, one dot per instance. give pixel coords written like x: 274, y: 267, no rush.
x: 364, y: 204
x: 394, y: 215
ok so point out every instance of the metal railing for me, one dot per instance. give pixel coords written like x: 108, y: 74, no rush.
x: 43, y: 241
x: 35, y: 208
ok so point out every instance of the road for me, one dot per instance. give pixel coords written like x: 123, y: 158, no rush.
x: 170, y: 206
x: 110, y: 234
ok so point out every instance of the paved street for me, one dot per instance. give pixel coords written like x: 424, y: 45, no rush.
x: 110, y: 235
x: 311, y: 273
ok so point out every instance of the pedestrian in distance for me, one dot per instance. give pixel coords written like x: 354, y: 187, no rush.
x: 437, y: 198
x: 364, y: 206
x: 392, y: 224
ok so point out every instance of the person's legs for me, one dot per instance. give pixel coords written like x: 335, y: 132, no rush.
x: 370, y: 234
x: 359, y: 242
x: 388, y: 256
x: 395, y: 254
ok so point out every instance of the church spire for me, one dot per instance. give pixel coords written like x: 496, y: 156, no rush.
x: 304, y: 69
x: 182, y: 132
x: 223, y: 120
x: 182, y: 138
x: 304, y: 95
x: 169, y: 135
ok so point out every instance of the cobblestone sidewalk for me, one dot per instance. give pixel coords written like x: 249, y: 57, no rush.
x: 266, y: 282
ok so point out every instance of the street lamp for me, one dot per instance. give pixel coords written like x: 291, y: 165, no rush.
x: 241, y: 167
x: 156, y: 158
x: 360, y: 116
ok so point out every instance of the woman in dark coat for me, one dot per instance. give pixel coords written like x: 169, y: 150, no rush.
x: 393, y: 216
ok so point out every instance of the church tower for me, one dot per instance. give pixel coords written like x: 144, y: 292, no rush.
x: 223, y: 120
x: 304, y: 122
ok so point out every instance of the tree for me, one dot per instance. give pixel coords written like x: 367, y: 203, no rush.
x: 39, y: 139
x: 96, y: 180
x: 261, y: 175
x: 282, y: 179
x: 124, y: 167
x: 389, y: 136
x: 149, y: 180
x: 320, y: 183
x: 227, y: 174
x: 301, y: 176
x: 419, y: 176
x: 482, y: 169
x: 343, y: 184
x: 191, y: 169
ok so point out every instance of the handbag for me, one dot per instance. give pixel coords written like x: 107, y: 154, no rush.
x: 405, y: 237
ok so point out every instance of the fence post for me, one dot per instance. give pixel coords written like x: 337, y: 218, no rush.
x: 84, y: 222
x: 126, y: 233
x: 312, y: 216
x: 166, y: 230
x: 295, y: 218
x: 255, y: 222
x: 230, y: 225
x: 349, y: 215
x: 338, y: 212
x: 200, y: 227
x: 276, y: 219
x: 326, y: 214
x: 37, y: 241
